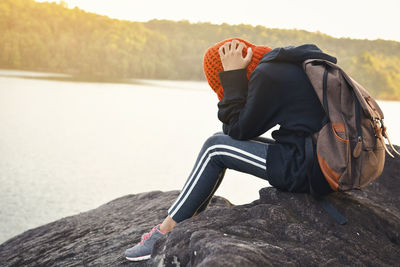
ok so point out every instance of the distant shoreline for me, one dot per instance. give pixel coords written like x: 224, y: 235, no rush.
x: 64, y: 77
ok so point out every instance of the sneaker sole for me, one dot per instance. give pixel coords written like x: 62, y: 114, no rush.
x: 141, y: 258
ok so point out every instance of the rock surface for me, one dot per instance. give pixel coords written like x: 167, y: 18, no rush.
x: 278, y: 229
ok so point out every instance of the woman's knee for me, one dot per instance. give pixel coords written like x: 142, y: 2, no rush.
x: 219, y: 133
x: 216, y: 139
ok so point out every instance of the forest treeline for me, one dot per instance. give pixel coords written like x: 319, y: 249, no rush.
x: 51, y: 37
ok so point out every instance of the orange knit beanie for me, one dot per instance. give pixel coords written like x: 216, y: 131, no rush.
x: 212, y: 64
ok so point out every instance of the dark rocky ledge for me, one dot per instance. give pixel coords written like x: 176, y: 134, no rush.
x: 279, y: 229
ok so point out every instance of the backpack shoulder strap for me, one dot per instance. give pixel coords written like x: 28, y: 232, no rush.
x: 328, y: 207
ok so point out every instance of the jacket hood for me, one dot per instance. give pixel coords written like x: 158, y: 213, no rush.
x: 297, y: 54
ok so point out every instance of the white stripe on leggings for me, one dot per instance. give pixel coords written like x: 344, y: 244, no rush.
x: 204, y: 166
x: 201, y: 159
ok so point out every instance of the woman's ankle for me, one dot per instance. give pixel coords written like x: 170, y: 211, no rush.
x: 167, y: 225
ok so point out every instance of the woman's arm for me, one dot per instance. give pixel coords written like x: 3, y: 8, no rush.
x: 249, y: 109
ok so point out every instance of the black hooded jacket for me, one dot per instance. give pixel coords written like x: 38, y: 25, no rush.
x: 278, y: 92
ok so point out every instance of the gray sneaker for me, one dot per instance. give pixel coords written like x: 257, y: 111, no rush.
x: 142, y: 251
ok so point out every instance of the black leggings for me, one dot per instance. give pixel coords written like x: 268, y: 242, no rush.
x: 219, y: 152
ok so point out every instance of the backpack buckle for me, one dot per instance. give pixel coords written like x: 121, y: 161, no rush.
x: 384, y: 133
x: 378, y: 127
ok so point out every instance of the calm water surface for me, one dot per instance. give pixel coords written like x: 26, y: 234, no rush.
x: 67, y: 147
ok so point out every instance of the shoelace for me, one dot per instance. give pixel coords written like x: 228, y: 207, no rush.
x: 146, y: 236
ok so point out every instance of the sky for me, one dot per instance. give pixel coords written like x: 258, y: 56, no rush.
x: 360, y: 19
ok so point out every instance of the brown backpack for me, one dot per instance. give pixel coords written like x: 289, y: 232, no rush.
x: 350, y: 147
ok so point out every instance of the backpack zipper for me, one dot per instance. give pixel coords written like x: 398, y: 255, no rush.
x: 325, y: 96
x: 357, y: 148
x: 358, y: 118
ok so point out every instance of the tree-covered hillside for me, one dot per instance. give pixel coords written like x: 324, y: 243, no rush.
x: 51, y: 37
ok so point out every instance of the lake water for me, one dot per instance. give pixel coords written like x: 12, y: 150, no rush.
x: 67, y: 147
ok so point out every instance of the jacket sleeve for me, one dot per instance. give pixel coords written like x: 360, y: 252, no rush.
x: 249, y: 108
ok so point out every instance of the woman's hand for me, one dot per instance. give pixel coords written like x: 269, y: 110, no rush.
x: 231, y: 55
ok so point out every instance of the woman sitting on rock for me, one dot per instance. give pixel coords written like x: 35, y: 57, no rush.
x: 258, y: 89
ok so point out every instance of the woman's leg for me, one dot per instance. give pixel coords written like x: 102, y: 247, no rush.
x: 219, y: 152
x: 169, y: 224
